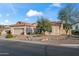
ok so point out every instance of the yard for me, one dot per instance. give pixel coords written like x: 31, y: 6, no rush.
x: 61, y: 39
x: 52, y: 39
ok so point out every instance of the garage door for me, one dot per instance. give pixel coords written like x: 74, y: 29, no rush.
x: 18, y: 31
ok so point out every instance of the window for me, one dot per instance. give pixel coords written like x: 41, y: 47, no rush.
x: 28, y: 30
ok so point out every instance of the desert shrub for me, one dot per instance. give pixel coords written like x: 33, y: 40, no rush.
x: 9, y: 35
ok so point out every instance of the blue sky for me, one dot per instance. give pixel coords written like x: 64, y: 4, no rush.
x: 28, y: 12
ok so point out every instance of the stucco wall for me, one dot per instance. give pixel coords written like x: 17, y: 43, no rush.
x: 55, y: 30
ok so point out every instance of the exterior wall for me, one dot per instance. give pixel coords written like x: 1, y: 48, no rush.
x: 25, y: 30
x: 62, y: 31
x: 55, y: 30
x: 12, y: 30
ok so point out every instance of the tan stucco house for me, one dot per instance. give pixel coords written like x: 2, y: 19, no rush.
x: 23, y: 28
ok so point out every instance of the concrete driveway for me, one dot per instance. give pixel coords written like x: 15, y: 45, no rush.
x: 30, y: 48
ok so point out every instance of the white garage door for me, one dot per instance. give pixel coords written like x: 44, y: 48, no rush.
x: 18, y: 31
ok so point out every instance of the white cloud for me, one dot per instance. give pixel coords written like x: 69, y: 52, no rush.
x: 53, y: 5
x: 31, y: 13
x: 56, y: 4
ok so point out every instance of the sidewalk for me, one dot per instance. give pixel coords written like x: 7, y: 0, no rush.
x: 70, y: 45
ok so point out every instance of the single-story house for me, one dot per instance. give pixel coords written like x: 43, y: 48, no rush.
x: 24, y: 28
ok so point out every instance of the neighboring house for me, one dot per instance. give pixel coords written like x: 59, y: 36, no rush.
x: 22, y: 28
x: 75, y: 26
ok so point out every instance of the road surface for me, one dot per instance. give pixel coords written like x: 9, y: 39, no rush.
x: 17, y: 48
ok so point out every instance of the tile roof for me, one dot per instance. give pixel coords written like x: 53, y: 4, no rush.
x: 19, y: 23
x: 55, y: 23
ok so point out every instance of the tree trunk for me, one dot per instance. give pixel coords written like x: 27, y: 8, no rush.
x: 45, y: 36
x: 66, y: 33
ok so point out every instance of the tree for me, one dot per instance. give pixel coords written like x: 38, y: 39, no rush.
x: 43, y: 25
x: 68, y: 15
x: 66, y: 27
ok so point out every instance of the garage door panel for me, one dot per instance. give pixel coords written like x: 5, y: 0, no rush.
x: 18, y: 31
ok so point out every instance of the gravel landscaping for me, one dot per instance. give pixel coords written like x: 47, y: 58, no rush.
x: 53, y: 39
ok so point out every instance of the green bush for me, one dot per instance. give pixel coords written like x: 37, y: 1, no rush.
x: 9, y: 35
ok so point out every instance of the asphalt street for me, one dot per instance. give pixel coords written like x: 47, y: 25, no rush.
x: 17, y: 48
